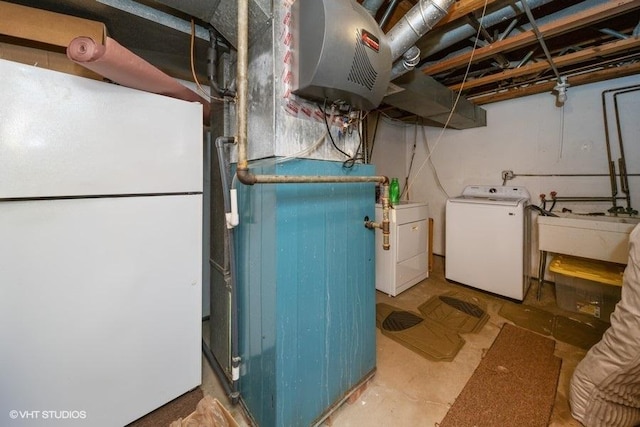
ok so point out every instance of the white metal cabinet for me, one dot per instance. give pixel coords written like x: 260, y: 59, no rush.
x: 407, y: 261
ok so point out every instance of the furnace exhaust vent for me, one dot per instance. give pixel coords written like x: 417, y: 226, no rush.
x: 340, y: 54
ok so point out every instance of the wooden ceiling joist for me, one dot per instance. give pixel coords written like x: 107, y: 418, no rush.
x: 561, y: 26
x: 581, y: 79
x: 560, y: 61
x: 463, y: 8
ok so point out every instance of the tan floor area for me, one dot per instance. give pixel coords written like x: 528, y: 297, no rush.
x: 409, y: 390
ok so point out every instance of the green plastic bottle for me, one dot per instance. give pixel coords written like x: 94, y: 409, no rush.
x: 394, y: 192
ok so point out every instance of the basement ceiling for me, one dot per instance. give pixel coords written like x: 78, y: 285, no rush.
x: 494, y: 50
x: 489, y: 50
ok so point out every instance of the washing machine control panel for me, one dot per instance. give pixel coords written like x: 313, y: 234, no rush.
x: 497, y: 192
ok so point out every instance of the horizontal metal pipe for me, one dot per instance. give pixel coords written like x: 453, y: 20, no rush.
x: 248, y: 178
x: 570, y: 174
x: 586, y: 199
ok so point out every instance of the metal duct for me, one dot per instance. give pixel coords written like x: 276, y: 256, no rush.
x: 447, y: 37
x: 409, y: 60
x: 423, y: 96
x: 222, y: 15
x: 414, y: 24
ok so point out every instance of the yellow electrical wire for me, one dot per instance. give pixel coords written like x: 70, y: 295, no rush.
x: 193, y: 68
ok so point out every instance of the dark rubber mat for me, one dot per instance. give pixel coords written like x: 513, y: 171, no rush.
x: 464, y: 306
x: 531, y: 318
x: 400, y: 320
x: 426, y: 338
x: 583, y: 334
x: 579, y: 330
x: 455, y: 311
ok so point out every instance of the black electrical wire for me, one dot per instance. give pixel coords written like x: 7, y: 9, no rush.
x: 541, y: 211
x: 405, y: 188
x: 373, y: 139
x: 326, y: 123
x: 349, y: 163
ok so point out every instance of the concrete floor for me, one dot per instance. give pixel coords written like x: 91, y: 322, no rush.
x: 409, y: 390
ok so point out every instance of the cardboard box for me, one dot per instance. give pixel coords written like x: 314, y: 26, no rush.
x: 39, y: 37
x: 209, y: 413
x: 587, y: 286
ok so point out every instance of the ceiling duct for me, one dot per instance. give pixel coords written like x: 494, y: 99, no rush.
x: 447, y: 36
x: 223, y: 15
x: 413, y: 91
x: 423, y: 96
x: 416, y: 23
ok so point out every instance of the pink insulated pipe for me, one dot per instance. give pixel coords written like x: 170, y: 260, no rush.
x: 122, y: 66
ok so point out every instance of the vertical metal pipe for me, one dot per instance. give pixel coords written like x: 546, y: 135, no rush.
x: 212, y: 65
x: 242, y: 83
x: 622, y: 162
x: 388, y: 12
x: 612, y: 167
x: 226, y: 186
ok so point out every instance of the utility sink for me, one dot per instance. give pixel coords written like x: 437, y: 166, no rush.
x: 598, y: 237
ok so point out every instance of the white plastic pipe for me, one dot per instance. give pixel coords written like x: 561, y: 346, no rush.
x: 232, y: 217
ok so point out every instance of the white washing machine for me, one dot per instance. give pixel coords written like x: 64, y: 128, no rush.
x: 486, y: 238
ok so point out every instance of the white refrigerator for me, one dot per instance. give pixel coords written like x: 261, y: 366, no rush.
x: 100, y: 249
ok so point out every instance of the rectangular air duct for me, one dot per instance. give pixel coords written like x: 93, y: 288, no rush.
x: 423, y: 96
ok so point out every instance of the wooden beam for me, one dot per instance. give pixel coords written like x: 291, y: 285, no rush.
x: 581, y: 79
x: 560, y: 26
x: 559, y: 61
x: 462, y: 8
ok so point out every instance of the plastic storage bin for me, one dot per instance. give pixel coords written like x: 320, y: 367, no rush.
x: 587, y: 286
